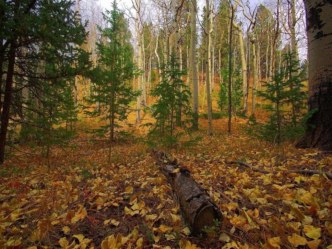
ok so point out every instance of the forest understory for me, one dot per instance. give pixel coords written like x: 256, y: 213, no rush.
x: 82, y: 201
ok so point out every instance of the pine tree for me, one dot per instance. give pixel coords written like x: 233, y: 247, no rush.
x: 173, y: 100
x: 276, y: 94
x: 283, y: 90
x: 110, y: 86
x: 297, y: 97
x: 39, y: 56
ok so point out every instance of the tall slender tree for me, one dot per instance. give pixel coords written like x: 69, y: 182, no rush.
x: 110, y: 86
x: 193, y: 66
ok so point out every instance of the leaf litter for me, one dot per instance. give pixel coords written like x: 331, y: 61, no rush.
x: 81, y: 201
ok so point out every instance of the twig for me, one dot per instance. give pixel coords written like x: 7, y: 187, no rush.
x: 298, y: 171
x: 243, y: 164
x: 311, y: 172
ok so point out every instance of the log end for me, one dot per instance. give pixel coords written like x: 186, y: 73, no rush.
x: 206, y: 217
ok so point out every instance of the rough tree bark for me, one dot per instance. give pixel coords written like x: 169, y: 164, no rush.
x: 319, y: 31
x: 197, y: 207
x: 7, y: 100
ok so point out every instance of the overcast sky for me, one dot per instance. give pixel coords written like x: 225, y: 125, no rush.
x: 127, y: 5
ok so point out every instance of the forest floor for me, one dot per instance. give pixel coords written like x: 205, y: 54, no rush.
x: 82, y: 201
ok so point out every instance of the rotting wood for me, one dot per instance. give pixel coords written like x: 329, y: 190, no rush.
x: 197, y: 207
x: 298, y: 171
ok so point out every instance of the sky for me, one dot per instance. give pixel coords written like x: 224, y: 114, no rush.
x: 127, y: 5
x: 106, y: 4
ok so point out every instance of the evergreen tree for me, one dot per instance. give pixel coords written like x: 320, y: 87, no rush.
x: 285, y: 89
x: 39, y: 54
x: 276, y: 94
x: 236, y: 91
x: 297, y: 97
x: 173, y: 100
x: 110, y: 86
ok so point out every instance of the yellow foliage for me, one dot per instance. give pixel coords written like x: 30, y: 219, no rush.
x: 297, y: 240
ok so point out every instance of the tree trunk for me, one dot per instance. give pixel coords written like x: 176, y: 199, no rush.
x: 193, y: 61
x: 255, y: 76
x: 243, y: 67
x: 319, y: 31
x: 230, y: 70
x: 198, y: 209
x: 292, y: 29
x: 157, y: 55
x: 139, y: 59
x: 7, y: 100
x: 246, y: 96
x: 208, y: 69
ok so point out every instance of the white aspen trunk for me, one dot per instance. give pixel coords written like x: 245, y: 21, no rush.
x: 137, y: 6
x: 254, y: 83
x: 319, y: 31
x: 267, y: 58
x: 259, y: 74
x: 230, y: 69
x: 243, y: 66
x: 292, y: 29
x: 208, y: 68
x: 194, y: 64
x: 143, y: 81
x: 157, y: 55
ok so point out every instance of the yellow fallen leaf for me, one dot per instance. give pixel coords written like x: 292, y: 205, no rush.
x: 112, y: 242
x: 138, y: 206
x: 139, y: 243
x: 151, y: 217
x: 224, y: 237
x: 177, y: 170
x: 164, y: 229
x: 129, y: 190
x: 307, y: 220
x: 13, y: 242
x: 230, y: 245
x: 80, y: 237
x: 115, y: 222
x: 314, y: 244
x: 312, y: 232
x: 63, y: 242
x: 175, y: 218
x: 297, y: 240
x: 79, y: 215
x: 186, y: 231
x: 66, y: 230
x: 130, y: 212
x: 231, y: 206
x: 106, y: 222
x: 186, y: 244
x: 274, y: 242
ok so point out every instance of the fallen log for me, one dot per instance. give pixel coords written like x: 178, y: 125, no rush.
x: 197, y: 207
